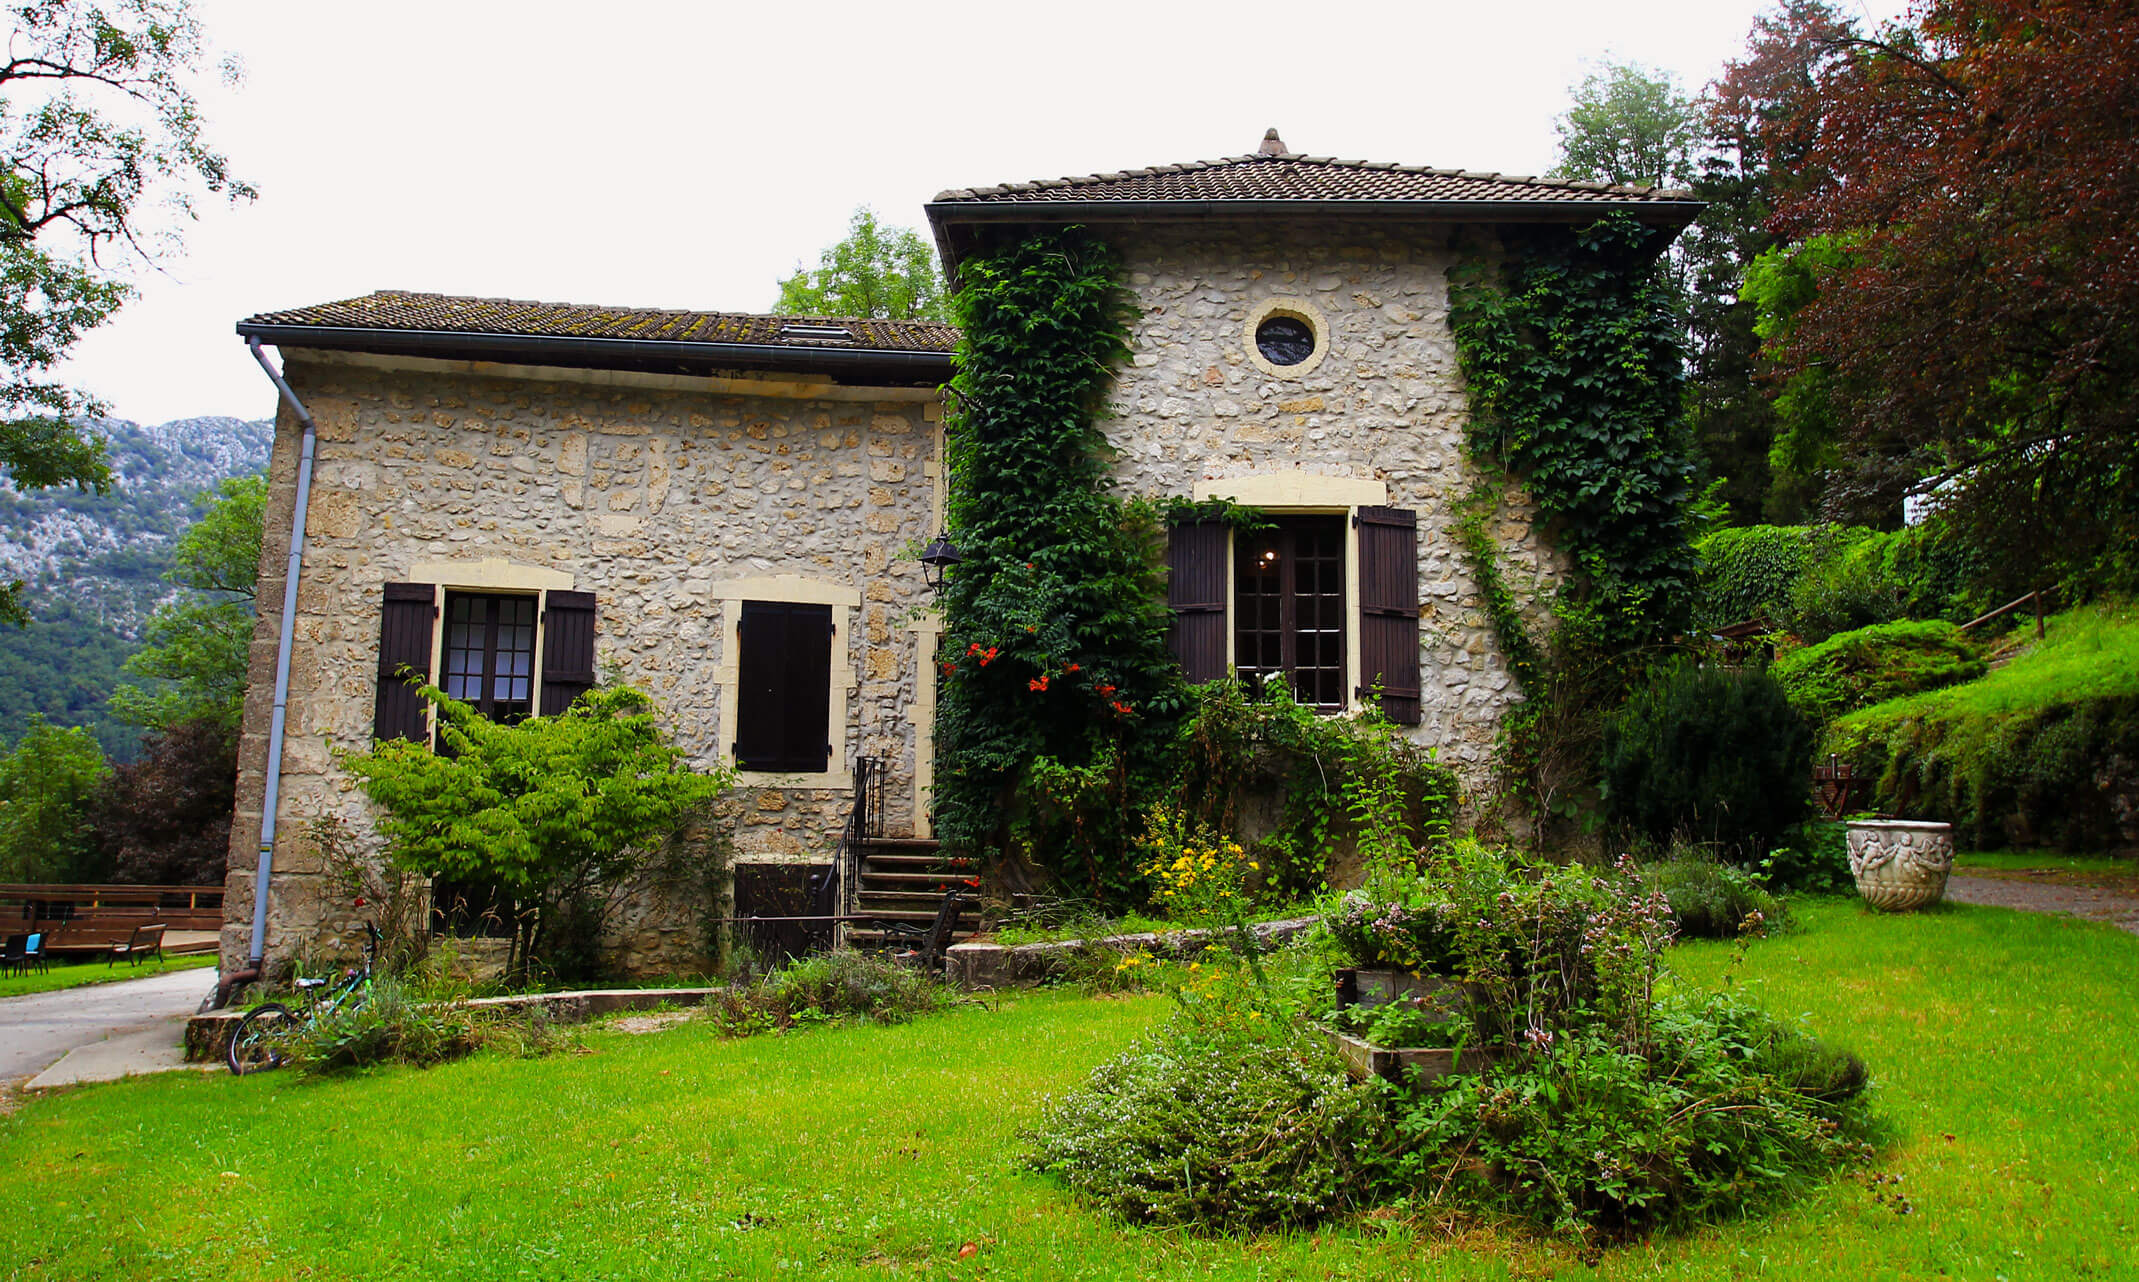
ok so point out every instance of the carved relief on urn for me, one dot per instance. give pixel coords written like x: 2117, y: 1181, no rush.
x: 1900, y: 864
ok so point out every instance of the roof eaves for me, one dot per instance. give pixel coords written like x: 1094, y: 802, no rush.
x: 583, y: 352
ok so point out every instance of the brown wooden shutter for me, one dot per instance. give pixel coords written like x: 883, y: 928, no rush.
x: 406, y: 618
x: 567, y: 649
x: 1389, y: 609
x: 783, y: 698
x: 1196, y: 592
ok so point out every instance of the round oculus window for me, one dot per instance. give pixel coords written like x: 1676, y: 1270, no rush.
x: 1285, y: 340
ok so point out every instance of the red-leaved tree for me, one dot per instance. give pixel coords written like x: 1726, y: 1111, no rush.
x: 1985, y: 331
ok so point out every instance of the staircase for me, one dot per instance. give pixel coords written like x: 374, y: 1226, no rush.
x: 902, y: 879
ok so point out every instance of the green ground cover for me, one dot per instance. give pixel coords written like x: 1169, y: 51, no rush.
x: 2006, y: 1049
x: 66, y: 974
x: 2021, y: 754
x: 2043, y: 861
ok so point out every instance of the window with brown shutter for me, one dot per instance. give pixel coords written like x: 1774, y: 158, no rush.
x: 1389, y: 610
x: 567, y: 648
x: 1196, y: 592
x: 1288, y: 607
x: 783, y: 695
x: 489, y: 655
x: 406, y: 617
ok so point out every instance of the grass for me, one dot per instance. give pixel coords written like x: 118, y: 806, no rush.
x: 2006, y: 1047
x: 2043, y: 861
x: 2025, y: 745
x: 78, y: 974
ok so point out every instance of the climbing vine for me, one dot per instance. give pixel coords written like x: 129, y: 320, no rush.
x: 1576, y: 365
x: 1573, y: 353
x: 1335, y: 779
x: 1059, y: 695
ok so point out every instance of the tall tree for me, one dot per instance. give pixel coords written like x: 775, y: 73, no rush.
x: 49, y: 784
x: 98, y: 124
x: 888, y: 273
x: 1628, y: 124
x: 198, y: 650
x: 1983, y: 332
x: 1756, y: 121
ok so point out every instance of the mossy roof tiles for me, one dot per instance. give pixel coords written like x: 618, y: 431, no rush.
x: 401, y: 310
x: 1290, y: 176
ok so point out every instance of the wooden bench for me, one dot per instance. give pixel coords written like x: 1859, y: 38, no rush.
x: 146, y: 941
x: 96, y: 932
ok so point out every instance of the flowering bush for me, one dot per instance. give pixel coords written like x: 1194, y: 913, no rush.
x: 1196, y: 874
x: 1233, y: 1115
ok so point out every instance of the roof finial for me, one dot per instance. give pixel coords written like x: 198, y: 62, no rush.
x: 1272, y: 144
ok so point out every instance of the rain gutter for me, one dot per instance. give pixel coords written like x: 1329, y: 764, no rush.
x: 284, y: 642
x: 600, y: 353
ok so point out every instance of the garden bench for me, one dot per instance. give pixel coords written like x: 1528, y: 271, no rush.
x: 146, y: 941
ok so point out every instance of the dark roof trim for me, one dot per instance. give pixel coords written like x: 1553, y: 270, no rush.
x: 845, y: 364
x: 1672, y: 215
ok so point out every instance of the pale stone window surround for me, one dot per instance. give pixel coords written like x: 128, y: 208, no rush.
x: 1299, y: 309
x: 795, y: 589
x: 491, y: 575
x: 927, y: 630
x: 1292, y: 493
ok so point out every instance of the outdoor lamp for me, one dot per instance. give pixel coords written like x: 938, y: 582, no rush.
x: 940, y: 556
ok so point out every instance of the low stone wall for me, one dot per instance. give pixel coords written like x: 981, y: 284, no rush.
x: 208, y: 1036
x: 985, y: 965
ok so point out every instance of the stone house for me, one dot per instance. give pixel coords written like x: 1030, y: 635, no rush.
x: 723, y: 508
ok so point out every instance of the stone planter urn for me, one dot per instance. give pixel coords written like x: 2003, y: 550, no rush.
x: 1900, y: 864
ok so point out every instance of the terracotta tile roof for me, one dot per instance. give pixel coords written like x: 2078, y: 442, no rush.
x: 1290, y: 176
x: 392, y: 310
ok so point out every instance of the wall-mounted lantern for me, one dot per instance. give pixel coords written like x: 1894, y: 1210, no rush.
x: 940, y: 556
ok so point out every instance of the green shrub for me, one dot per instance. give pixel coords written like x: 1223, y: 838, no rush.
x: 1213, y: 1128
x: 1863, y: 578
x: 1725, y: 1110
x: 1813, y: 860
x: 833, y: 986
x: 1749, y: 571
x: 2044, y: 750
x: 396, y: 1025
x: 1710, y: 899
x: 1710, y: 754
x: 1871, y: 665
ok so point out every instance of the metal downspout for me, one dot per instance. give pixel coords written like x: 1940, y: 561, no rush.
x: 282, y: 657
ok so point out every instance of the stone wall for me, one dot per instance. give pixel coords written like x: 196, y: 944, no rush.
x: 651, y: 492
x: 1385, y: 403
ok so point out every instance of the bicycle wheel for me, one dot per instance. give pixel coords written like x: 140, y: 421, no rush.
x: 257, y: 1044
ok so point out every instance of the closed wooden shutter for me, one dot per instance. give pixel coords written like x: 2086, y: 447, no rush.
x: 1389, y: 610
x: 567, y: 649
x: 406, y: 618
x: 783, y: 699
x: 1196, y: 592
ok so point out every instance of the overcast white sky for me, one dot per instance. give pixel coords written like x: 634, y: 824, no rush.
x: 689, y: 155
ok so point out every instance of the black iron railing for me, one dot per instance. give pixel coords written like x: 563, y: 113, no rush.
x: 835, y: 897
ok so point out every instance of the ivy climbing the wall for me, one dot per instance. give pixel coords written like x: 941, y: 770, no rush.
x: 1572, y: 347
x: 1059, y: 696
x: 1574, y: 353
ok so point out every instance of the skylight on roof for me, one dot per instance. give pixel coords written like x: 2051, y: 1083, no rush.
x: 817, y: 333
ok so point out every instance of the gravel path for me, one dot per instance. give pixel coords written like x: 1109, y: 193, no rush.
x: 2092, y: 902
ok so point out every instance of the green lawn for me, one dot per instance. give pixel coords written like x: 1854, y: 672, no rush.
x: 1996, y: 861
x: 76, y: 974
x: 2006, y: 1049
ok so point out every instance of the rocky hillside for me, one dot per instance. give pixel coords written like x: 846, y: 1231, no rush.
x: 94, y: 564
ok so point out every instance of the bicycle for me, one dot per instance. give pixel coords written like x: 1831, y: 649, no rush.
x: 257, y: 1043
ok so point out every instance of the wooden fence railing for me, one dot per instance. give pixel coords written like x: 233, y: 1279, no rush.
x: 33, y: 907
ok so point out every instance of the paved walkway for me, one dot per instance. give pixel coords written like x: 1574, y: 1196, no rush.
x: 131, y: 1026
x: 2096, y: 903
